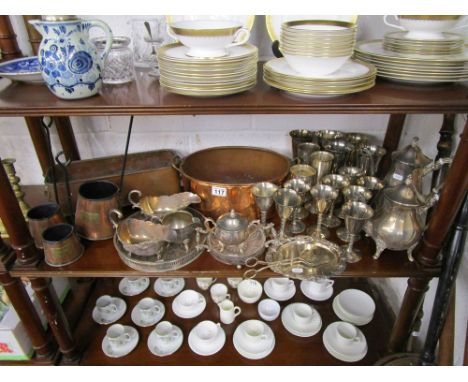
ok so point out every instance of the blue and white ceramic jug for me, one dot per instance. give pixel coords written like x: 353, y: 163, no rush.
x: 71, y: 65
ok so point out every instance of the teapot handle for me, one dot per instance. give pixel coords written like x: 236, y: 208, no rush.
x: 109, y: 36
x: 436, y: 165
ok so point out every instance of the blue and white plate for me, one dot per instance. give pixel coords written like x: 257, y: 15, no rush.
x: 26, y: 69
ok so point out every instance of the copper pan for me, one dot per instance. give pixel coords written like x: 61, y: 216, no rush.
x: 223, y: 177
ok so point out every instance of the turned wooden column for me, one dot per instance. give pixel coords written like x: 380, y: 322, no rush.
x: 8, y: 43
x: 451, y: 198
x: 36, y: 131
x: 447, y: 337
x: 56, y: 317
x: 67, y: 138
x: 391, y: 141
x: 42, y: 343
x: 35, y: 37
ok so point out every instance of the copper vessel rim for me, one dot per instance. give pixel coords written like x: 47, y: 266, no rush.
x: 33, y: 209
x: 56, y: 226
x: 109, y: 197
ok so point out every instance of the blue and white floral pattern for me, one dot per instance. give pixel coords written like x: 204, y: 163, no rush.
x: 25, y: 69
x: 71, y: 65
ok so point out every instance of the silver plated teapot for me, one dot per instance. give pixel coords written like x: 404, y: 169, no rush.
x: 399, y: 223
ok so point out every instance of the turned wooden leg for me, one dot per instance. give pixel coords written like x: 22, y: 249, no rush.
x: 451, y: 198
x: 447, y: 337
x: 410, y: 306
x: 391, y: 141
x: 56, y: 317
x: 41, y: 342
x: 39, y: 141
x: 67, y: 138
x: 8, y: 44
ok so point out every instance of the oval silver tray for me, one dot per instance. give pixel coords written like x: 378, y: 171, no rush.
x: 327, y: 257
x: 173, y: 257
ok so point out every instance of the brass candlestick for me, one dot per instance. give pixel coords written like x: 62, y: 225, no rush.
x: 8, y: 165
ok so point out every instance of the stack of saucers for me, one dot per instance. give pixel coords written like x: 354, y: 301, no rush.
x: 423, y: 53
x: 317, y: 60
x: 207, y: 77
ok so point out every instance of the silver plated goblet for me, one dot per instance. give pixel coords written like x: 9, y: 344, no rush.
x: 338, y: 182
x: 356, y: 214
x: 286, y: 200
x: 298, y: 185
x: 322, y: 198
x: 263, y: 193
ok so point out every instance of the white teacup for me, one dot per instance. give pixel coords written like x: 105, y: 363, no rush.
x: 206, y: 332
x: 106, y: 306
x: 165, y: 332
x: 219, y: 292
x: 318, y: 287
x: 281, y: 284
x: 205, y: 282
x: 234, y: 281
x: 208, y: 38
x: 269, y: 309
x: 424, y: 27
x: 310, y: 66
x: 188, y: 299
x: 168, y: 284
x: 346, y: 334
x: 148, y: 308
x: 249, y: 291
x: 228, y: 312
x: 134, y: 283
x: 302, y: 313
x: 117, y: 336
x: 254, y: 331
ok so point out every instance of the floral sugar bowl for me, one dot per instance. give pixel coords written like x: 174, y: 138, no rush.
x: 70, y: 63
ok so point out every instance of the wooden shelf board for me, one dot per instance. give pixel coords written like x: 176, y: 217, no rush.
x: 144, y: 96
x: 289, y: 349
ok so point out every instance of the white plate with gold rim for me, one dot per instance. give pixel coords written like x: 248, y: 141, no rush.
x: 273, y: 22
x: 246, y: 20
x: 350, y: 70
x: 177, y: 52
x: 374, y: 48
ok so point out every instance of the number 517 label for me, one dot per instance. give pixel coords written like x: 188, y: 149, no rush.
x: 219, y: 191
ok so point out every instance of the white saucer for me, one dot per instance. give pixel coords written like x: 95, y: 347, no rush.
x: 124, y: 350
x: 214, y: 347
x: 126, y: 290
x: 293, y: 327
x: 274, y: 295
x: 316, y: 297
x: 160, y: 289
x: 239, y: 344
x: 170, y: 348
x: 344, y: 317
x: 179, y: 311
x: 352, y: 353
x: 121, y: 309
x: 138, y: 319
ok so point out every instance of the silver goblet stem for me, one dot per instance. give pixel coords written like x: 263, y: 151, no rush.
x: 319, y: 224
x: 263, y: 217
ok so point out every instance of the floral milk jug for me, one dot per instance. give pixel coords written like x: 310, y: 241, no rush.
x: 70, y: 63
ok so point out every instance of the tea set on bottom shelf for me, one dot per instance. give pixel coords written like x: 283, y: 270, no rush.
x: 253, y: 338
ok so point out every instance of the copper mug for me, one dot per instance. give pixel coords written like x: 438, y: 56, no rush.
x: 95, y: 200
x: 42, y: 217
x: 61, y: 245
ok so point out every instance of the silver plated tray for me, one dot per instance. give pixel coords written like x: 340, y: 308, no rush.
x: 254, y: 246
x: 322, y: 258
x: 173, y: 257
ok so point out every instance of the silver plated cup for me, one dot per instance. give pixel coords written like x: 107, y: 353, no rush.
x: 322, y: 198
x: 302, y: 188
x: 263, y: 193
x: 322, y: 161
x: 286, y: 200
x: 338, y: 182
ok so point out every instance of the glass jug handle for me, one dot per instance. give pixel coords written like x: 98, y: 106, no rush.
x: 108, y: 33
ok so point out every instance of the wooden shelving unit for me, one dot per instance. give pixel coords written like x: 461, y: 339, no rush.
x: 145, y: 97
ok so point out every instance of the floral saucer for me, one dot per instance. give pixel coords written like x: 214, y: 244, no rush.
x: 110, y: 318
x: 169, y: 287
x: 127, y: 289
x: 123, y: 350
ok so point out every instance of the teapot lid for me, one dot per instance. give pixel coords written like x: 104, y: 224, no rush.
x: 59, y: 18
x: 412, y: 155
x: 403, y: 194
x: 232, y: 221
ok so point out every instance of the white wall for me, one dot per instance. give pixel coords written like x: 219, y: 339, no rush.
x: 101, y: 136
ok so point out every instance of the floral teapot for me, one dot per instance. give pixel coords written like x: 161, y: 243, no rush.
x: 71, y: 65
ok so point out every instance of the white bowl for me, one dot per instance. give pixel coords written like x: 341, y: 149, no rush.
x: 356, y: 304
x: 208, y: 38
x: 269, y: 309
x: 315, y: 66
x: 249, y: 291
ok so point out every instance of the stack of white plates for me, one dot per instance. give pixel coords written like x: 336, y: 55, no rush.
x: 451, y: 43
x: 354, y: 76
x: 414, y: 68
x: 208, y: 77
x: 354, y: 306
